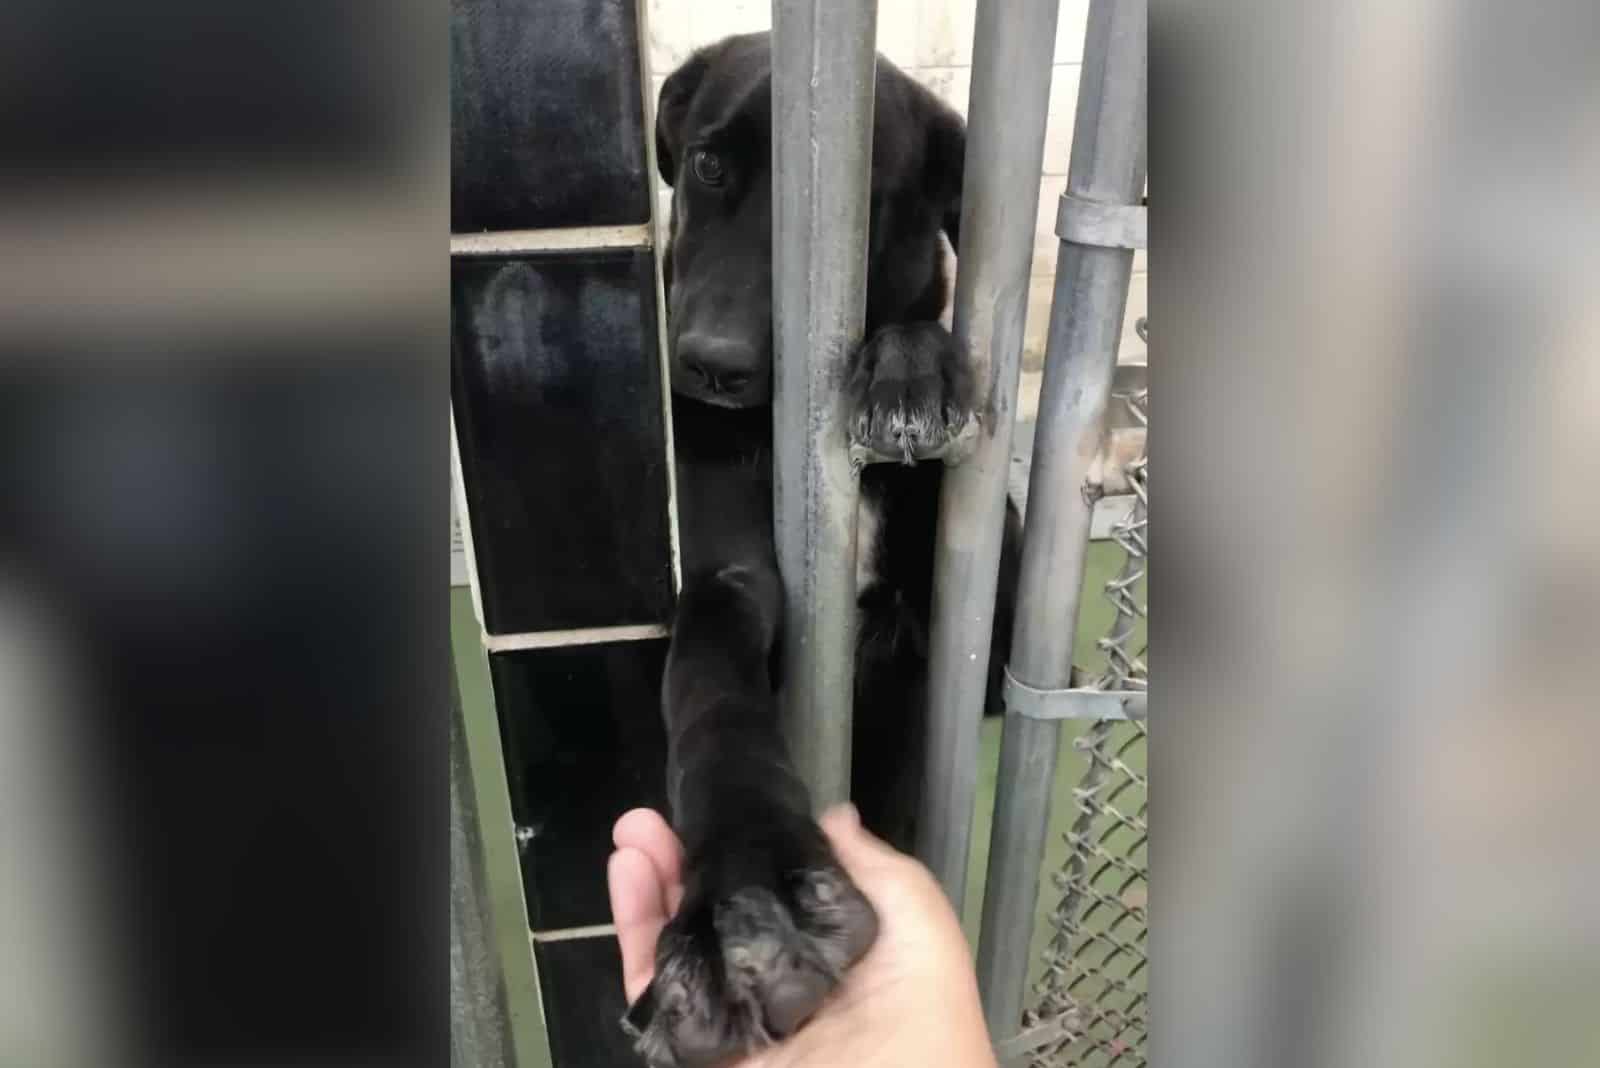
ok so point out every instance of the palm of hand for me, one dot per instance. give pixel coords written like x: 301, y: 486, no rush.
x: 911, y: 1000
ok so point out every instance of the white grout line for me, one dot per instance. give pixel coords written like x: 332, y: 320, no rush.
x: 652, y: 175
x: 458, y: 486
x: 548, y: 639
x: 646, y: 75
x: 671, y: 440
x: 608, y: 930
x: 569, y: 238
x: 666, y: 422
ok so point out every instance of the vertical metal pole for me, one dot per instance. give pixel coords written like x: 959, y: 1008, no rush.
x: 480, y: 1017
x: 823, y: 72
x: 1091, y: 292
x: 1013, y: 47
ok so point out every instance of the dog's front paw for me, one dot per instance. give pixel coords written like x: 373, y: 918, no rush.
x: 912, y: 395
x: 750, y: 956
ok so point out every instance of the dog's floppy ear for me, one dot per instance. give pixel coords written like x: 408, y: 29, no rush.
x: 672, y: 109
x: 944, y: 163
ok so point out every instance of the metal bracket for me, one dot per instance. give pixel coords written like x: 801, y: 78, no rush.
x: 1076, y: 703
x: 1091, y: 222
x: 1057, y: 1029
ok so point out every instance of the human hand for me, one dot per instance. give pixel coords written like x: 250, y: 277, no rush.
x: 912, y: 1000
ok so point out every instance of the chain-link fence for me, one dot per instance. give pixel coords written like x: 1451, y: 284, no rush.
x: 1090, y: 1007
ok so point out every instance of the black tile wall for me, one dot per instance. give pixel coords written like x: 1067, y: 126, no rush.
x: 583, y: 1002
x: 557, y: 392
x: 546, y: 115
x: 583, y: 738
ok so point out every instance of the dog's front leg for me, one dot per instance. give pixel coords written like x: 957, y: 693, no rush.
x: 769, y: 921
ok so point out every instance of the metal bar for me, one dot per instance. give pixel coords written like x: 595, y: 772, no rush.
x: 1091, y: 222
x: 1091, y: 292
x: 1012, y: 51
x: 1025, y: 1042
x: 1075, y: 703
x: 823, y: 73
x: 480, y: 1016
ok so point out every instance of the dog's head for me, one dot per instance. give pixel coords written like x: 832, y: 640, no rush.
x: 714, y: 147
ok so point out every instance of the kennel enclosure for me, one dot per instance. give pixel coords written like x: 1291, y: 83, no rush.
x: 574, y: 602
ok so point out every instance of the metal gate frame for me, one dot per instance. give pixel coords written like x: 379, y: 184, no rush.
x: 824, y: 69
x: 1100, y: 222
x: 823, y: 76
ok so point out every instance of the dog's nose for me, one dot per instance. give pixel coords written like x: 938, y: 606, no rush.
x: 717, y: 365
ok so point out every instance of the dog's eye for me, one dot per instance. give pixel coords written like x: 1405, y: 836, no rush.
x: 707, y: 167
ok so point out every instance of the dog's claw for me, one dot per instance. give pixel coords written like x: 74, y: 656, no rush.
x: 912, y: 391
x: 956, y: 447
x: 738, y: 971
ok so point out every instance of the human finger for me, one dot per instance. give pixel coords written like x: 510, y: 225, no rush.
x: 647, y: 830
x: 639, y: 911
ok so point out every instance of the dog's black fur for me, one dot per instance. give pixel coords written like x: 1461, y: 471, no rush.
x: 769, y: 921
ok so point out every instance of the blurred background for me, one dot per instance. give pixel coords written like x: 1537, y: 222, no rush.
x: 223, y: 585
x: 1379, y: 601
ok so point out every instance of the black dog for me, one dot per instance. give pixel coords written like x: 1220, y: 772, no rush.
x: 769, y: 921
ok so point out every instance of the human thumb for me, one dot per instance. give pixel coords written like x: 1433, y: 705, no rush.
x: 857, y: 848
